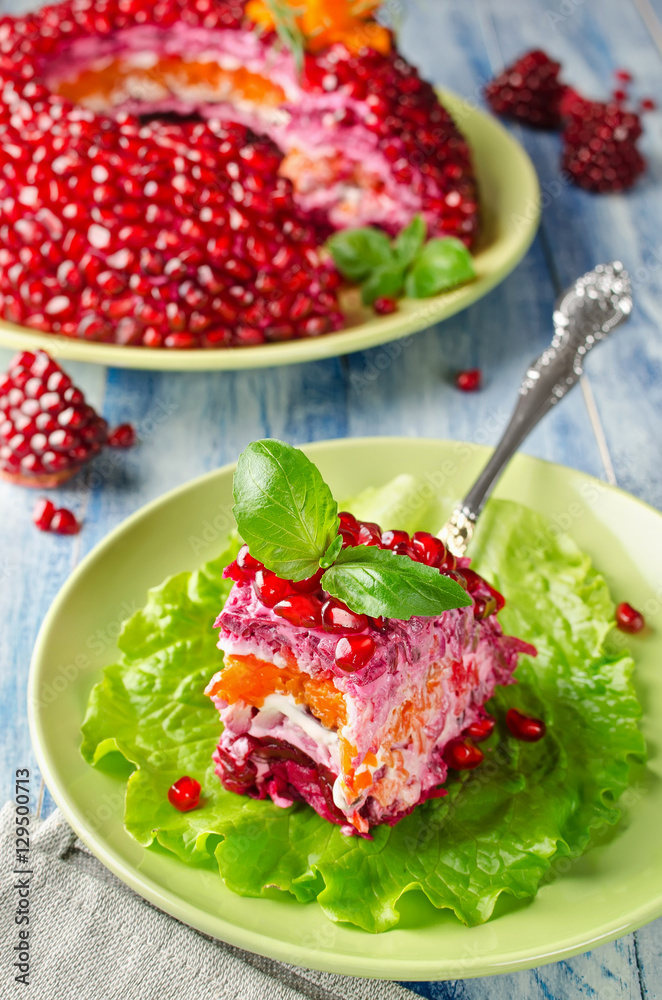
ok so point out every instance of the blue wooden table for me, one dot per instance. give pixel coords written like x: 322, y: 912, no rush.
x: 190, y: 423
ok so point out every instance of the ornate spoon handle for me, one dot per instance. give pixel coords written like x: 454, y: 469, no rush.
x: 585, y: 314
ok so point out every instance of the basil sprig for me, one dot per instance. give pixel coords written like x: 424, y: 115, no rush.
x: 286, y: 514
x: 284, y: 510
x: 407, y: 264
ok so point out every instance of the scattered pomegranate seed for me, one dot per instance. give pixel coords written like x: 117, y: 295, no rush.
x: 123, y: 436
x: 462, y: 755
x: 525, y: 727
x: 393, y: 539
x: 269, y: 588
x: 354, y: 651
x: 528, y: 90
x: 468, y: 381
x: 337, y: 617
x: 184, y: 794
x: 385, y: 306
x: 42, y: 515
x: 63, y: 522
x: 620, y: 95
x: 482, y: 729
x: 302, y: 610
x: 48, y: 432
x: 628, y: 619
x: 648, y: 104
x: 624, y: 75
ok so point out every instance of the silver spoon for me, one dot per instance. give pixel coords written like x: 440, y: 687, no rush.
x: 584, y: 315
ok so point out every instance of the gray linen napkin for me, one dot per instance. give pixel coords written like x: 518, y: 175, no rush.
x: 93, y: 938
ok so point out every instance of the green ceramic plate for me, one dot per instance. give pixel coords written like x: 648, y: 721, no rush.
x: 510, y: 200
x: 611, y: 891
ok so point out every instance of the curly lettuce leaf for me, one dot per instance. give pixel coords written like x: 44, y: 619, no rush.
x: 501, y: 827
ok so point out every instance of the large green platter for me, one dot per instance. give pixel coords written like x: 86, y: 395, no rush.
x: 510, y: 204
x: 614, y: 889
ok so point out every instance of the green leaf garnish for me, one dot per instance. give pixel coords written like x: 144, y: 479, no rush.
x: 357, y: 252
x: 286, y: 514
x: 441, y: 264
x: 331, y: 553
x: 387, y: 281
x: 284, y: 509
x: 386, y: 268
x: 409, y: 241
x: 379, y: 582
x: 288, y: 29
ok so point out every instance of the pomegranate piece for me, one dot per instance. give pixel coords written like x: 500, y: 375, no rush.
x: 48, y: 432
x: 353, y: 652
x: 648, y: 104
x: 529, y: 90
x: 385, y: 306
x: 369, y: 533
x: 468, y: 381
x: 600, y: 144
x: 461, y: 755
x: 123, y: 436
x: 482, y: 729
x: 63, y: 522
x: 302, y: 610
x: 184, y: 794
x: 525, y: 727
x: 628, y: 619
x: 337, y: 617
x: 42, y: 515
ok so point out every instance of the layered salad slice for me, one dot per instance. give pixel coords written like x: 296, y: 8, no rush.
x: 356, y: 662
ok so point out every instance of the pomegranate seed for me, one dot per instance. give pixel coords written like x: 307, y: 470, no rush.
x: 379, y: 624
x: 269, y: 588
x: 184, y: 794
x: 63, y: 522
x: 385, y: 306
x: 460, y: 755
x: 468, y: 381
x: 354, y: 651
x: 349, y: 529
x: 620, y: 95
x: 429, y: 549
x: 302, y: 610
x: 42, y: 515
x: 482, y: 729
x: 628, y: 619
x: 391, y: 539
x: 624, y: 75
x: 309, y: 586
x: 123, y: 436
x: 525, y: 727
x: 648, y: 104
x: 337, y: 617
x: 369, y: 533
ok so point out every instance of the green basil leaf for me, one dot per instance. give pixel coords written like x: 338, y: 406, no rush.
x: 285, y: 512
x: 378, y: 582
x: 387, y: 281
x: 410, y: 240
x: 441, y: 264
x: 357, y: 252
x: 331, y: 553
